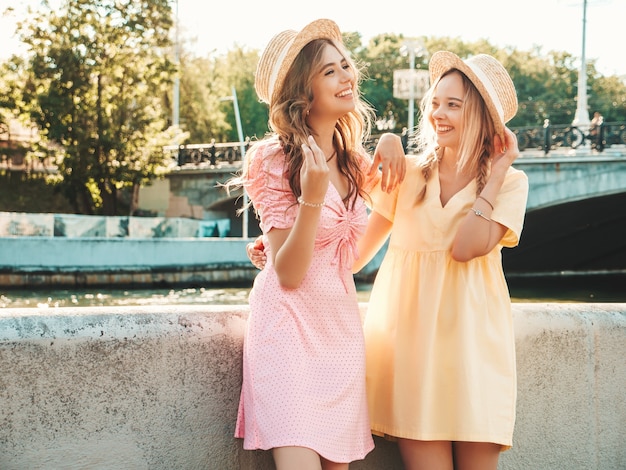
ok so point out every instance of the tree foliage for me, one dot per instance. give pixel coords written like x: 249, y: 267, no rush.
x: 200, y: 92
x: 208, y: 87
x: 237, y: 69
x: 10, y: 101
x: 547, y: 84
x: 96, y: 80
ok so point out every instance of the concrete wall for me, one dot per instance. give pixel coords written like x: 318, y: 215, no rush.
x: 554, y: 181
x: 77, y: 262
x: 157, y: 388
x: 49, y: 262
x: 565, y: 175
x: 23, y: 224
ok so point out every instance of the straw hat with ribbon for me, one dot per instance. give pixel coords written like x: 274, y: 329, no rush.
x: 282, y: 50
x: 490, y: 79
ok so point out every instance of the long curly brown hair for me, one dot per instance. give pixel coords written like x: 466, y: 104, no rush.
x: 288, y: 121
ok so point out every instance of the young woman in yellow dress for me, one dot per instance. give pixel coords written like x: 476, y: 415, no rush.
x: 441, y: 375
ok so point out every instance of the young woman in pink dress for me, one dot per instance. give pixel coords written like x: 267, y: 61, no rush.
x: 303, y: 391
x: 441, y: 376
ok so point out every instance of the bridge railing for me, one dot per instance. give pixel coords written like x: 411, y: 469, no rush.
x: 212, y: 153
x: 550, y: 137
x: 545, y: 138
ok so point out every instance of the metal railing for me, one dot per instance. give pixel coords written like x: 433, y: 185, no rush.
x: 544, y: 138
x: 550, y: 137
x: 212, y: 153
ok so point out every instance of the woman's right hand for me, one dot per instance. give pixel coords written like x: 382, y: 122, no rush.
x: 292, y: 248
x: 314, y: 174
x: 256, y: 252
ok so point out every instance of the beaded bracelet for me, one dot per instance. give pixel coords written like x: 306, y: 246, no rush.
x: 302, y: 202
x: 479, y: 213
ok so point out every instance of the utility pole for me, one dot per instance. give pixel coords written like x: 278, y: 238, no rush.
x: 233, y: 98
x: 581, y: 120
x: 244, y: 220
x: 176, y: 98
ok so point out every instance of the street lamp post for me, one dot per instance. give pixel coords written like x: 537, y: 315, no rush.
x: 581, y: 119
x: 411, y: 48
x: 176, y: 92
x: 233, y: 98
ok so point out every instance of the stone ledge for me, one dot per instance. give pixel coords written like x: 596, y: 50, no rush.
x: 158, y: 388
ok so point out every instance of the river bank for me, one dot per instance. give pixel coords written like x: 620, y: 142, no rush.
x: 605, y: 288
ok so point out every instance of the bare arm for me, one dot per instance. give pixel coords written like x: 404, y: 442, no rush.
x: 376, y: 233
x: 478, y: 234
x: 292, y: 249
x: 389, y: 154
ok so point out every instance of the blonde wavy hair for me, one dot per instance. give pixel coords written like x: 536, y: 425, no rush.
x: 477, y: 139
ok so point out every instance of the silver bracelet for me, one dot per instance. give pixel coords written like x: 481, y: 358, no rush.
x: 487, y: 201
x: 479, y: 213
x: 302, y: 202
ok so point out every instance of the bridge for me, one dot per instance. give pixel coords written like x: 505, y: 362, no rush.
x: 575, y: 224
x: 576, y: 215
x: 558, y: 180
x: 576, y: 211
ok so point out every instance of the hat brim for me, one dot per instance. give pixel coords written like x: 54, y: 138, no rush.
x: 318, y: 29
x: 443, y: 61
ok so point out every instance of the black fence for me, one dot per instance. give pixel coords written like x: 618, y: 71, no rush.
x: 543, y: 138
x: 210, y: 154
x: 549, y: 137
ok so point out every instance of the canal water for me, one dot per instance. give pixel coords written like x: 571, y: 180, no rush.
x: 561, y: 289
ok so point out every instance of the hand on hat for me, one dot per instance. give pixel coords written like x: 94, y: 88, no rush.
x: 506, y: 152
x: 314, y: 174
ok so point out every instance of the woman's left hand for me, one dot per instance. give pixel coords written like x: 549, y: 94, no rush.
x: 390, y: 154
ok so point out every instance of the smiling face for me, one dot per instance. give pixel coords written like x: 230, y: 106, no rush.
x: 446, y: 110
x: 333, y: 86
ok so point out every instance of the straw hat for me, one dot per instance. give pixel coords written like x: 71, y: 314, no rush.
x: 282, y: 50
x: 490, y: 79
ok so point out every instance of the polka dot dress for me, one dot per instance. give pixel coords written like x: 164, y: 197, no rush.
x: 304, y: 356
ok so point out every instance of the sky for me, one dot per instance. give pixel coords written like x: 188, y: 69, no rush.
x: 214, y: 26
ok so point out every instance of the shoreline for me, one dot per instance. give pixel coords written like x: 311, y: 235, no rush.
x: 522, y: 290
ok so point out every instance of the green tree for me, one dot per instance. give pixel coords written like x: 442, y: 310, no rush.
x: 237, y: 70
x: 97, y: 75
x: 11, y: 75
x: 380, y: 58
x: 200, y: 108
x: 546, y: 83
x: 206, y: 103
x: 608, y: 96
